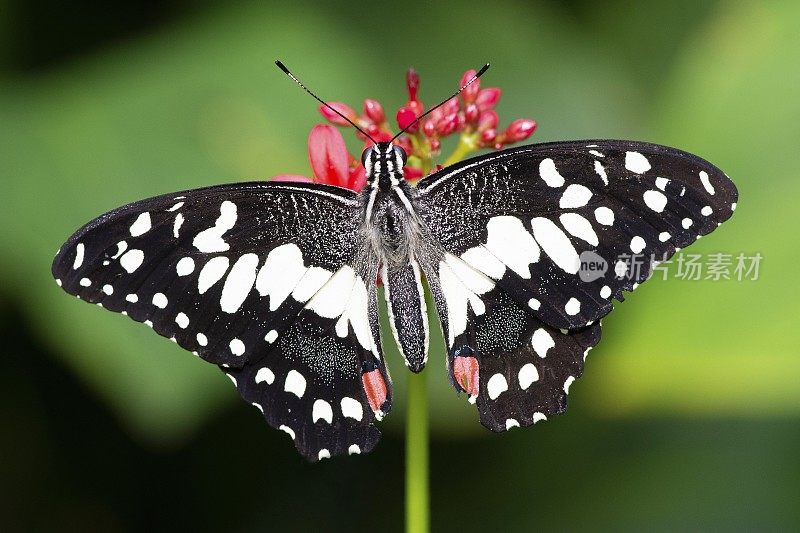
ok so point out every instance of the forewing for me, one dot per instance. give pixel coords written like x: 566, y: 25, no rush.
x: 530, y: 217
x: 231, y: 273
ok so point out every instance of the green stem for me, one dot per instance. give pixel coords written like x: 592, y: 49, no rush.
x: 467, y: 143
x: 417, y: 498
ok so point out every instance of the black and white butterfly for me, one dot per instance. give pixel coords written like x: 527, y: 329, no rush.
x: 275, y: 282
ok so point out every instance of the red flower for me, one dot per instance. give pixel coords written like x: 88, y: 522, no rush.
x: 471, y: 116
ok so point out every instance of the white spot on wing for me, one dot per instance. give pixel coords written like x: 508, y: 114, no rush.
x: 664, y: 236
x: 556, y: 244
x: 108, y: 290
x: 482, y: 259
x: 271, y: 336
x: 331, y: 300
x: 185, y: 266
x: 211, y: 273
x: 324, y: 453
x: 496, y: 386
x: 132, y: 298
x: 706, y: 182
x: 182, y: 320
x: 295, y: 383
x: 527, y: 375
x: 176, y: 226
x: 637, y: 244
x: 286, y: 429
x: 706, y: 211
x: 131, y: 260
x: 655, y: 200
x: 549, y: 173
x: 509, y: 241
x: 511, y: 423
x: 281, y: 272
x: 568, y: 383
x: 575, y: 196
x: 604, y: 216
x: 265, y: 375
x: 160, y: 300
x: 210, y: 240
x: 237, y: 347
x: 687, y: 223
x: 601, y: 171
x: 322, y: 410
x: 85, y: 282
x: 354, y: 449
x: 573, y: 307
x: 636, y: 162
x: 239, y: 282
x: 79, y: 251
x: 351, y: 408
x: 534, y: 304
x: 141, y: 225
x: 661, y: 183
x: 538, y: 417
x: 202, y: 340
x: 541, y: 342
x: 605, y: 292
x: 578, y: 226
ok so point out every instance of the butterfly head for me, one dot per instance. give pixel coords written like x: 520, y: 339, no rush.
x: 385, y: 159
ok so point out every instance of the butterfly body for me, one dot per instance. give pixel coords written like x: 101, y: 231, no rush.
x: 275, y: 282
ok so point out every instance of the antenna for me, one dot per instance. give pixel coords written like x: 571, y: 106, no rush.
x: 326, y: 104
x: 475, y: 77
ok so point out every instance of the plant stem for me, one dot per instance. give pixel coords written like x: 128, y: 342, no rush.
x: 467, y: 143
x: 417, y: 498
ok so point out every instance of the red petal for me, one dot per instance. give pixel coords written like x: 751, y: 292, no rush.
x: 328, y: 155
x: 357, y: 179
x: 332, y: 117
x: 292, y: 177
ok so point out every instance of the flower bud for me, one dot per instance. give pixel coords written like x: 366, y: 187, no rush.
x: 334, y: 118
x: 488, y: 120
x: 488, y: 136
x: 519, y: 130
x: 447, y: 124
x: 374, y: 111
x: 487, y: 98
x: 428, y: 128
x: 412, y: 83
x: 471, y: 113
x: 470, y: 92
x: 405, y: 117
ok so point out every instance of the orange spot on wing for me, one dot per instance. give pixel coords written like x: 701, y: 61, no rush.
x: 465, y: 372
x: 375, y: 387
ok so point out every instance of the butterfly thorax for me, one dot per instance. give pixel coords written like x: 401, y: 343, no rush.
x: 395, y: 232
x: 390, y: 216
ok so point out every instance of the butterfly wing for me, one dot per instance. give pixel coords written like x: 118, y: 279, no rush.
x: 264, y: 280
x: 510, y: 232
x: 528, y: 217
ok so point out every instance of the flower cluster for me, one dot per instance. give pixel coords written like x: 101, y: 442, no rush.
x: 470, y: 115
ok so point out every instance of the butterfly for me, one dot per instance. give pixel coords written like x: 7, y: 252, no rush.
x: 275, y: 282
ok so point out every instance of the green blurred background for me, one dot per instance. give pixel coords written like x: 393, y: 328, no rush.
x: 687, y: 415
